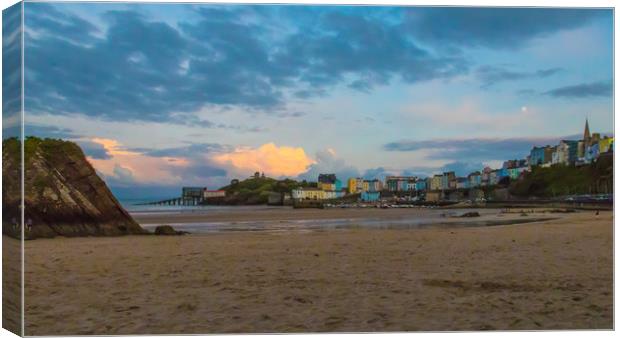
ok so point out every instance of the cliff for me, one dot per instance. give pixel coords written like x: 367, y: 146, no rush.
x: 64, y: 196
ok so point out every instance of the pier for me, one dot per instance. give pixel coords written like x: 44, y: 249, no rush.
x: 189, y: 196
x: 177, y: 201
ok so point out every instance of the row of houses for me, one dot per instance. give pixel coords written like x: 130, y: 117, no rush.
x: 571, y: 152
x: 567, y: 152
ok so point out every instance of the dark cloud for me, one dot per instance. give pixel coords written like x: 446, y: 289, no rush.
x: 44, y: 19
x: 144, y: 70
x: 310, y: 93
x: 46, y: 131
x: 593, y: 89
x: 501, y: 28
x: 94, y: 150
x: 476, y: 149
x: 490, y: 75
x: 11, y: 70
x: 194, y: 149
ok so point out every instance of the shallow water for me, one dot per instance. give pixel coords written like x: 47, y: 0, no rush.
x: 418, y: 218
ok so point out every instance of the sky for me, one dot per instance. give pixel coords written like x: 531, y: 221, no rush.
x: 165, y: 95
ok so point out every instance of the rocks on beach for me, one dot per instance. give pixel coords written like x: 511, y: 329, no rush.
x: 167, y: 230
x: 470, y: 214
x: 63, y: 195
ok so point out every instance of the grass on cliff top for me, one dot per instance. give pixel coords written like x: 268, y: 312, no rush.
x: 257, y: 190
x: 265, y: 184
x: 51, y: 149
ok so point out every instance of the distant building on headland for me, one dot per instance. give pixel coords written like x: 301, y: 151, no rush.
x: 192, y: 192
x: 213, y: 193
x: 200, y: 193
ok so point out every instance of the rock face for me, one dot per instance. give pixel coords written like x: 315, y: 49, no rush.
x: 63, y: 193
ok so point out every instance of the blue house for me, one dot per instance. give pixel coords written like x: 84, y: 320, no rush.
x: 420, y: 185
x: 338, y: 184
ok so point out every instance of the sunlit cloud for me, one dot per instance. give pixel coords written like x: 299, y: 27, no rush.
x: 268, y: 158
x: 124, y: 166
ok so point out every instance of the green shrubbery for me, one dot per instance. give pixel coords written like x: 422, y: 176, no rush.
x: 256, y: 190
x: 561, y: 180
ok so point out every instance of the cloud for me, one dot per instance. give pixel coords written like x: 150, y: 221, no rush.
x: 475, y: 149
x: 497, y: 28
x: 379, y: 173
x: 47, y: 131
x: 138, y: 69
x: 268, y: 158
x: 463, y: 168
x: 490, y: 75
x: 44, y: 19
x: 145, y: 170
x: 328, y: 162
x: 11, y: 70
x: 255, y: 57
x: 188, y: 150
x: 583, y: 90
x: 122, y: 175
x: 94, y: 150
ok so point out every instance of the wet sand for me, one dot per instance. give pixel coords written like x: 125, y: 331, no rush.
x: 543, y: 275
x: 285, y: 218
x: 280, y: 213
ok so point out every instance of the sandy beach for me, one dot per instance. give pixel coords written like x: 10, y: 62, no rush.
x: 553, y: 274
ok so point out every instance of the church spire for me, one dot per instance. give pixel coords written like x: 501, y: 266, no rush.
x: 586, y: 132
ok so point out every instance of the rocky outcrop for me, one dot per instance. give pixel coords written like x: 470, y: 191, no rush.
x: 63, y: 193
x: 167, y: 230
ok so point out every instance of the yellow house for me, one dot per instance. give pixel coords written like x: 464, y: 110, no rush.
x: 355, y: 185
x: 436, y: 182
x: 351, y: 185
x: 308, y: 194
x: 604, y: 144
x: 327, y: 186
